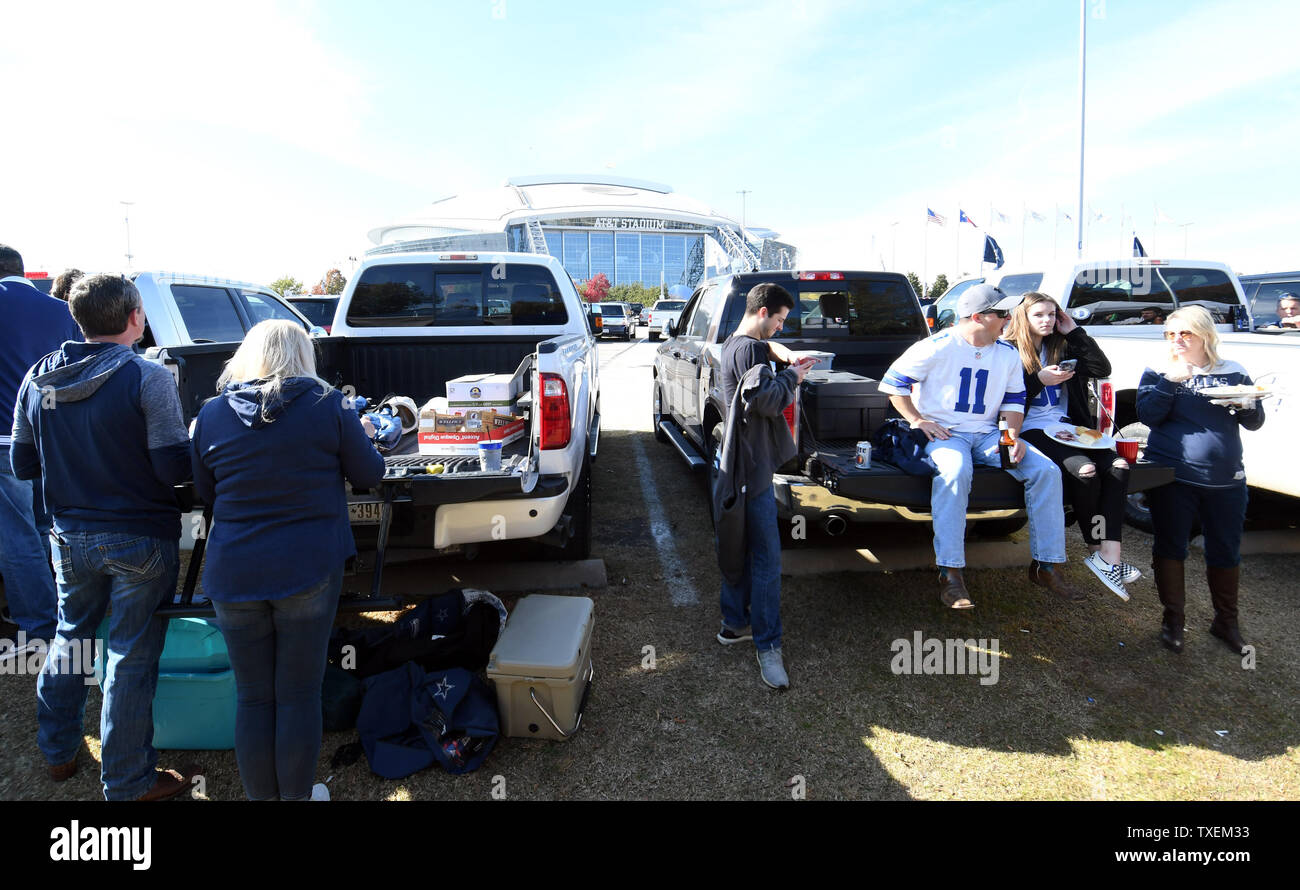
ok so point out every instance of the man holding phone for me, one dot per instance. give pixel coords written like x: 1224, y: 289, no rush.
x: 756, y: 442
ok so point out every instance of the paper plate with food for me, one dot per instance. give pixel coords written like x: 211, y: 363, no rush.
x: 1079, y: 436
x: 1242, y: 391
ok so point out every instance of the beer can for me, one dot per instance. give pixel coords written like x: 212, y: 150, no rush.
x: 863, y: 456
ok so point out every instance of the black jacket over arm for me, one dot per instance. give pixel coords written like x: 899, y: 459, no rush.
x: 1092, y: 364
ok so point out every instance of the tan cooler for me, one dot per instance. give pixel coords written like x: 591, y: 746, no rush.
x: 541, y: 666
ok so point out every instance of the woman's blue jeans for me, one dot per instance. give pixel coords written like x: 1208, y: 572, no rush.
x: 278, y: 649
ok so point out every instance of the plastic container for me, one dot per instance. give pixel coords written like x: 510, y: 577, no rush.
x: 541, y: 666
x: 193, y: 645
x: 195, y: 711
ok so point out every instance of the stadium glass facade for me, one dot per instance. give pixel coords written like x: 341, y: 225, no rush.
x: 649, y: 258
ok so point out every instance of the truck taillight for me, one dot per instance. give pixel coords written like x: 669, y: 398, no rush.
x: 555, y: 412
x: 791, y: 415
x: 1107, y: 399
x: 821, y: 276
x: 597, y: 323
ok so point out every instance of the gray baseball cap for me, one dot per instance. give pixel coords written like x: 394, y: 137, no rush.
x: 983, y: 298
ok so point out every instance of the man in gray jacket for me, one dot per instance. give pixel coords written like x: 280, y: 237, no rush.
x: 756, y: 442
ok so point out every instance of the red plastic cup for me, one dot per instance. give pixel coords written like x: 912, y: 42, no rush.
x: 1128, y: 449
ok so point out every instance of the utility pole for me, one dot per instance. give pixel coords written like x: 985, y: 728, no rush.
x: 127, y: 205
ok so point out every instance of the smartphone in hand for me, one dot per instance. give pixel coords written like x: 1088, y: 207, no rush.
x: 1069, y: 364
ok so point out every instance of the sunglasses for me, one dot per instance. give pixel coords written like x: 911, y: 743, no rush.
x: 997, y: 313
x: 1179, y: 335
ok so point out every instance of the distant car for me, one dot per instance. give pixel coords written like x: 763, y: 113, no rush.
x: 616, y: 320
x: 41, y: 281
x: 1262, y: 292
x: 319, y: 310
x: 663, y: 313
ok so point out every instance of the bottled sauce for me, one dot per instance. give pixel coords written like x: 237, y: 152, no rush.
x: 1006, y: 442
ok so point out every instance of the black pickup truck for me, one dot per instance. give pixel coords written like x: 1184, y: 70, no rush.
x: 867, y: 320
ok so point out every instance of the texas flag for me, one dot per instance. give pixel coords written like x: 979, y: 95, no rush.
x: 964, y: 218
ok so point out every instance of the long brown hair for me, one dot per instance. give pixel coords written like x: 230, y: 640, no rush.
x: 1018, y: 334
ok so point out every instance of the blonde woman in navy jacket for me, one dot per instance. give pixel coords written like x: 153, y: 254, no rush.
x: 270, y: 456
x: 1200, y: 438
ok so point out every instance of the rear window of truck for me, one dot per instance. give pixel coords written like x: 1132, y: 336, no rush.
x: 1133, y: 295
x: 841, y: 310
x: 427, y: 295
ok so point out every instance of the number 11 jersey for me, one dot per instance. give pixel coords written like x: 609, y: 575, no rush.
x: 960, y: 386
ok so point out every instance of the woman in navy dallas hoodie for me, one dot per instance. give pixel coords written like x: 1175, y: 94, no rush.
x: 270, y: 455
x: 1200, y: 438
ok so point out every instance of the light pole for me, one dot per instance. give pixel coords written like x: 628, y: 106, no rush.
x: 743, y: 193
x: 127, y: 205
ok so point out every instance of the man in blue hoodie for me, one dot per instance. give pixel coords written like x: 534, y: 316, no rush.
x: 103, y: 428
x: 34, y: 325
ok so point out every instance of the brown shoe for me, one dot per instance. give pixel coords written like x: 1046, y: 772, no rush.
x: 952, y: 590
x: 170, y: 783
x: 1044, y: 576
x: 61, y: 772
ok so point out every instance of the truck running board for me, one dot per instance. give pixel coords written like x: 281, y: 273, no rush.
x: 686, y: 449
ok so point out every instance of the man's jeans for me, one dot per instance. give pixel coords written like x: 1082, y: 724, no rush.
x: 23, y: 560
x: 756, y: 600
x: 135, y: 574
x: 950, y: 492
x: 278, y: 648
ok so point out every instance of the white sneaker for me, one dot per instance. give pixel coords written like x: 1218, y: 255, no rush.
x: 1111, y: 575
x: 1130, y: 573
x: 320, y: 792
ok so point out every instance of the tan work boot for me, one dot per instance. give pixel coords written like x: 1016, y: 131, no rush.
x: 1050, y: 578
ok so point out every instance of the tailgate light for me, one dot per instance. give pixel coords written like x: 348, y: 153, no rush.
x: 791, y: 415
x: 821, y: 276
x: 556, y: 423
x: 458, y: 256
x: 1146, y: 261
x: 1108, y: 408
x: 40, y: 275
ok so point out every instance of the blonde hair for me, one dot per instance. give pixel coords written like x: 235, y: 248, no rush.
x: 1022, y: 338
x: 272, y: 352
x: 1198, y: 320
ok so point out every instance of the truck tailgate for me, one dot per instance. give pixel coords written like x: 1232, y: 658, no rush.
x: 833, y: 465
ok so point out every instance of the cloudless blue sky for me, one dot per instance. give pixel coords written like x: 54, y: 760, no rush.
x: 258, y: 140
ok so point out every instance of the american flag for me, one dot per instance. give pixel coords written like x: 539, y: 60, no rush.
x: 931, y: 216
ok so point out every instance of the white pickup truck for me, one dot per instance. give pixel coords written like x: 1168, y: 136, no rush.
x: 1123, y: 304
x: 181, y: 308
x: 408, y: 323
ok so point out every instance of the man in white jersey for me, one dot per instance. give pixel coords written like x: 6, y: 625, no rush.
x: 955, y: 387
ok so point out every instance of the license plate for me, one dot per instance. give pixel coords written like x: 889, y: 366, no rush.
x: 365, y: 512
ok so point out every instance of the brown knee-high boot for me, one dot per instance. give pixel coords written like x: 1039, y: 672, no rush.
x: 1173, y: 595
x: 1223, y: 593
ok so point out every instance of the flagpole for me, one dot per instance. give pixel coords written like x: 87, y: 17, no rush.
x: 925, y: 256
x: 1083, y: 50
x: 1056, y: 230
x: 1024, y: 212
x: 956, y: 250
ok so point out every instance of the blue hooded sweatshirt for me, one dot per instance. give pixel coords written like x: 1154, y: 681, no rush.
x: 102, y: 428
x: 274, y: 475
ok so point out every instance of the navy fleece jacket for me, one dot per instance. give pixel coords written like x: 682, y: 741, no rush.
x: 1201, y: 441
x: 275, y: 480
x: 102, y: 428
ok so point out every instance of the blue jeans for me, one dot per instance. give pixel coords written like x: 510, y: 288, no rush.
x: 278, y: 648
x: 135, y: 574
x: 756, y: 600
x: 23, y: 559
x: 950, y: 493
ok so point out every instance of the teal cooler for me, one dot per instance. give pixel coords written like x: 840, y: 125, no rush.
x: 194, y: 706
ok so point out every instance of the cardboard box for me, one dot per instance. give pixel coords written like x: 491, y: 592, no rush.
x: 484, y: 391
x: 458, y: 434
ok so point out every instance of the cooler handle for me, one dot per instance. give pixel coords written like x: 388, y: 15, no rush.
x: 582, y: 706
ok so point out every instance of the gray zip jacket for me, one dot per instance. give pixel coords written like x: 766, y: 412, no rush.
x: 755, y: 443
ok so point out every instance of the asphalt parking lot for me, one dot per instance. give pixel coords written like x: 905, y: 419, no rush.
x: 1057, y: 701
